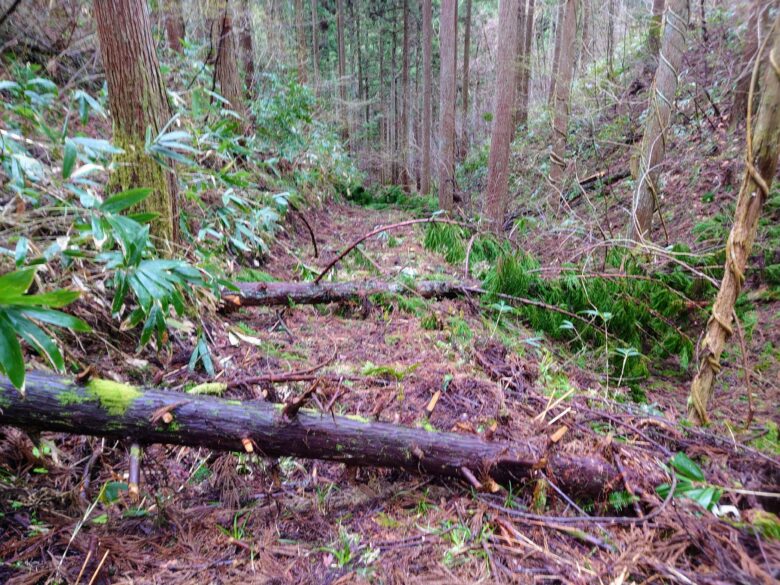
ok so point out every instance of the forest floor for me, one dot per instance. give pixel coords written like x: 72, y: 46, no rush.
x: 238, y: 518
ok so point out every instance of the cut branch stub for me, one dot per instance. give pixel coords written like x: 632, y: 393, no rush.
x: 110, y: 409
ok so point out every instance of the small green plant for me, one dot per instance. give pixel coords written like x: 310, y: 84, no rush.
x: 22, y: 316
x: 691, y: 483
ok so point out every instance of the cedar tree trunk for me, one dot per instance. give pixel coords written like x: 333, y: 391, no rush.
x: 503, y: 116
x: 136, y: 95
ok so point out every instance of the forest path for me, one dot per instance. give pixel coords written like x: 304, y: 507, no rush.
x: 405, y: 348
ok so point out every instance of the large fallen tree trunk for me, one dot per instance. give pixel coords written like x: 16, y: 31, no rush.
x: 254, y: 294
x: 120, y: 411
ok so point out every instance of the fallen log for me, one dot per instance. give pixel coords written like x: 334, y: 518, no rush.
x: 121, y: 411
x: 254, y: 294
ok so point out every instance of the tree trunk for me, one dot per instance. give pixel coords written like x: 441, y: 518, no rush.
x: 404, y: 178
x: 567, y: 39
x: 247, y: 44
x: 256, y: 294
x: 226, y: 78
x: 762, y: 154
x: 519, y: 56
x: 138, y: 101
x: 315, y: 58
x: 425, y: 176
x: 525, y: 65
x: 300, y: 34
x: 611, y: 40
x: 556, y: 51
x: 120, y: 411
x: 503, y: 116
x: 464, y: 141
x: 447, y: 88
x: 342, y: 68
x: 653, y: 149
x: 739, y: 107
x: 174, y: 24
x: 654, y: 30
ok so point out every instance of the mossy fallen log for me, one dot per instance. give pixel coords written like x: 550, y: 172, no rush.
x: 253, y: 294
x: 121, y: 411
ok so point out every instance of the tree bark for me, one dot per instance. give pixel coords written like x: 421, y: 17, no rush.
x: 557, y: 51
x: 567, y: 40
x: 342, y: 68
x: 138, y: 101
x: 247, y: 44
x: 226, y: 78
x: 119, y: 411
x: 742, y: 89
x: 315, y: 58
x: 525, y: 65
x: 464, y: 141
x: 427, y: 43
x: 653, y: 149
x: 763, y: 149
x: 174, y: 24
x: 447, y: 89
x: 300, y: 34
x: 406, y: 102
x: 654, y: 30
x: 256, y: 294
x: 503, y: 116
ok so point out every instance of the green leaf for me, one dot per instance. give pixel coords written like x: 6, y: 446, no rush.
x: 121, y: 201
x: 68, y: 159
x: 38, y: 339
x: 685, y: 467
x: 56, y: 298
x: 14, y: 284
x: 57, y: 318
x: 11, y: 359
x: 22, y: 247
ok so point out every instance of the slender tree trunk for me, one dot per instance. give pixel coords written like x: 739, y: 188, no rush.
x: 611, y: 39
x: 138, y: 101
x: 300, y: 34
x: 654, y: 30
x: 226, y: 78
x: 567, y: 39
x: 653, y: 149
x: 362, y: 82
x: 556, y: 51
x: 425, y: 177
x: 525, y: 70
x: 394, y: 149
x: 739, y: 107
x: 503, y: 116
x: 174, y: 24
x: 447, y: 88
x: 383, y: 119
x: 763, y: 149
x: 247, y: 44
x: 520, y: 57
x: 405, y: 102
x: 342, y: 68
x: 464, y: 140
x: 315, y: 58
x: 585, y: 50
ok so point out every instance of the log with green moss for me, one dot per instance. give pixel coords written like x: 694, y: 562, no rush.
x: 121, y: 411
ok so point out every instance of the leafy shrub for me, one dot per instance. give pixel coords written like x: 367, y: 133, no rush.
x: 21, y: 316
